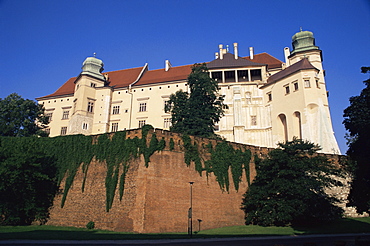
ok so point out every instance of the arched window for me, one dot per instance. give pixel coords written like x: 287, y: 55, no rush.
x: 282, y: 127
x: 297, y: 125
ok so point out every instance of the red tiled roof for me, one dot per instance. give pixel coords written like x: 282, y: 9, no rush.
x: 265, y: 58
x: 118, y: 79
x: 67, y: 88
x: 303, y: 64
x: 125, y: 77
x: 160, y: 75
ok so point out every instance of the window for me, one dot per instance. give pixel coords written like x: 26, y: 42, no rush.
x: 317, y: 84
x: 307, y: 83
x: 114, y: 127
x: 295, y: 84
x: 92, y: 85
x: 217, y: 76
x: 65, y: 115
x: 229, y: 76
x: 165, y: 104
x: 166, y: 123
x: 115, y: 110
x: 63, y: 131
x: 141, y: 123
x: 142, y: 107
x: 256, y: 74
x: 253, y: 120
x: 49, y: 116
x: 242, y: 75
x: 287, y: 89
x: 269, y: 96
x: 217, y: 127
x: 84, y: 126
x: 90, y: 106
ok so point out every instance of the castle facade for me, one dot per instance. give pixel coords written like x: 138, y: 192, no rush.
x: 269, y: 101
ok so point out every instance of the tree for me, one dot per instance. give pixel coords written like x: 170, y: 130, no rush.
x: 290, y: 187
x: 197, y: 113
x: 357, y: 123
x: 21, y: 117
x: 28, y: 181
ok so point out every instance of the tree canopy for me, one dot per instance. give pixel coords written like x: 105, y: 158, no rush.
x: 197, y: 112
x: 21, y: 117
x: 357, y: 123
x: 27, y: 184
x: 290, y: 187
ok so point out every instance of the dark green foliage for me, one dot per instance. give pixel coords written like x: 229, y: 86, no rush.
x: 192, y: 153
x: 27, y: 184
x: 224, y: 158
x: 197, y: 113
x: 154, y: 144
x: 18, y: 117
x: 69, y: 153
x: 90, y: 225
x: 289, y: 187
x: 172, y: 144
x: 357, y: 122
x: 23, y: 160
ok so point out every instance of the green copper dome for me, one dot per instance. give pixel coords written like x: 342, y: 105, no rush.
x: 93, y: 66
x: 303, y: 41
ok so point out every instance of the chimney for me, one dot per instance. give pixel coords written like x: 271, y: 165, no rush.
x: 286, y: 55
x: 236, y: 50
x: 167, y: 65
x: 221, y: 51
x: 251, y: 53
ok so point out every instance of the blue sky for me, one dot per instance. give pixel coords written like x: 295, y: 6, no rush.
x: 44, y: 42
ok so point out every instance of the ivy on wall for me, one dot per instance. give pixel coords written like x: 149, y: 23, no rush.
x: 192, y: 154
x: 73, y: 152
x: 69, y: 153
x: 223, y: 158
x: 115, y: 150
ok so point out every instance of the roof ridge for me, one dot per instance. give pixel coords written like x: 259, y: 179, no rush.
x: 125, y: 69
x: 303, y: 64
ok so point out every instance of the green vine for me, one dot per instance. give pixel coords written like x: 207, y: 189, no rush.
x: 115, y: 150
x: 192, y: 154
x: 223, y: 158
x: 172, y: 144
x: 73, y: 152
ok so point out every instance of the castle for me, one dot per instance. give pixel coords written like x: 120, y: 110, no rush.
x: 269, y: 101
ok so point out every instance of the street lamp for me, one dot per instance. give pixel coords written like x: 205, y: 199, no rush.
x: 190, y: 212
x: 199, y: 220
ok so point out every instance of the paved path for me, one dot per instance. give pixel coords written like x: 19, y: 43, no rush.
x: 305, y: 240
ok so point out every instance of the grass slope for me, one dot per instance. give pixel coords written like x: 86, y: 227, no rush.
x: 349, y: 225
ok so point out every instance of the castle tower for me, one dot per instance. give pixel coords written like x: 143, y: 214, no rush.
x: 298, y: 97
x: 303, y: 43
x: 93, y: 67
x: 88, y: 84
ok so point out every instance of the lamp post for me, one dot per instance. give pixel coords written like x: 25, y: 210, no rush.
x: 190, y: 213
x: 199, y: 220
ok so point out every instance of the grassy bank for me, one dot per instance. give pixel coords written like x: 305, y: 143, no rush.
x: 350, y: 225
